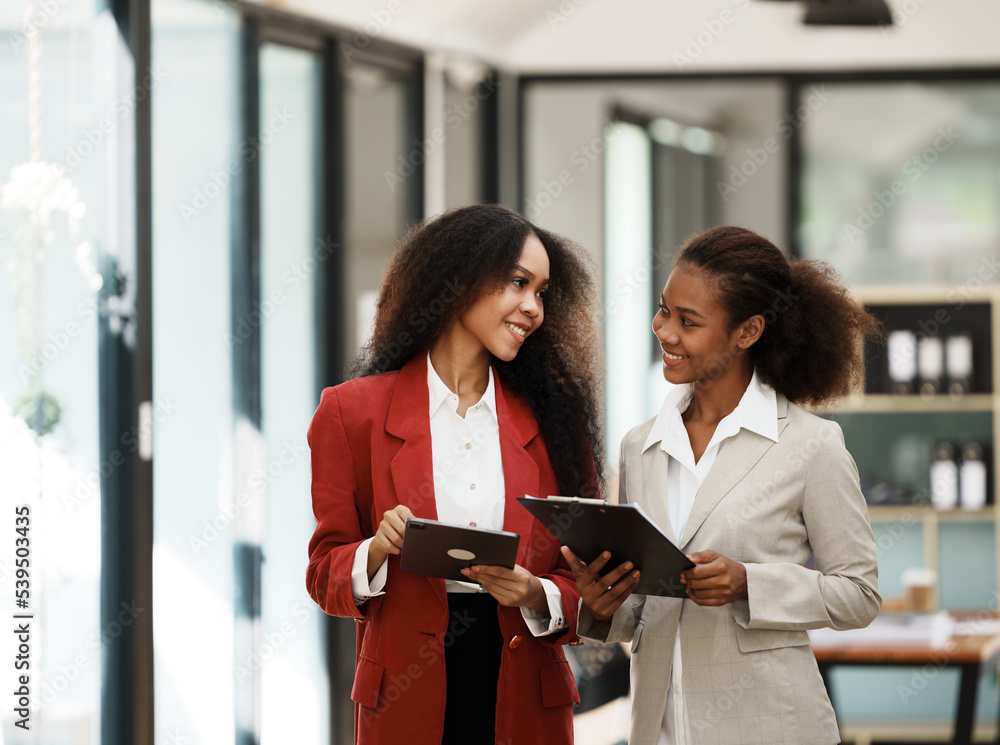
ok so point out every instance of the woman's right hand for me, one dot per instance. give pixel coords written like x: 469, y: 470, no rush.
x: 388, y: 537
x: 602, y: 594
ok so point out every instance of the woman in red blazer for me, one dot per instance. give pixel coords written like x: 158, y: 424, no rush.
x: 482, y: 358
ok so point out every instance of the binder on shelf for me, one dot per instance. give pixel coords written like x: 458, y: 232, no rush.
x: 590, y: 526
x: 437, y: 549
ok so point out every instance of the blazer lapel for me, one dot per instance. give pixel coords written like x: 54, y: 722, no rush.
x: 412, y: 466
x: 520, y: 471
x: 654, y: 473
x: 736, y: 457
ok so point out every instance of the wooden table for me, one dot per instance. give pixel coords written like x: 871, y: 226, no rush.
x: 972, y: 655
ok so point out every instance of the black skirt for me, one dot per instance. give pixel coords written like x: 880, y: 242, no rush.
x: 472, y: 648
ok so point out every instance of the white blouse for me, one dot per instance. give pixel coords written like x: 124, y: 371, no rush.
x: 757, y: 411
x: 468, y: 490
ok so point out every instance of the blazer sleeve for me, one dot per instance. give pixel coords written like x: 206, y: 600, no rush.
x: 621, y: 626
x: 562, y: 577
x: 842, y: 592
x: 338, y: 524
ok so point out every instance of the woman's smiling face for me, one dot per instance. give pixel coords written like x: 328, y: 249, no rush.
x: 502, y: 320
x: 693, y: 329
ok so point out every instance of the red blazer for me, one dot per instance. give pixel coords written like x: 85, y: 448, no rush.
x: 371, y: 450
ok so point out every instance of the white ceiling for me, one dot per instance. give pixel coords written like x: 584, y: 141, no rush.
x: 566, y: 36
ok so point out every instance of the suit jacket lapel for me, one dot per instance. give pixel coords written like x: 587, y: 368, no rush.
x: 520, y: 471
x: 412, y: 466
x: 736, y: 457
x: 651, y: 494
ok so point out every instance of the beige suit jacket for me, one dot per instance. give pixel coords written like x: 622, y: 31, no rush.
x: 748, y: 673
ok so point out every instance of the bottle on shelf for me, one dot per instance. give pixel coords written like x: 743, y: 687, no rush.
x: 930, y: 364
x: 972, y: 477
x: 958, y: 364
x: 944, y: 477
x: 902, y: 355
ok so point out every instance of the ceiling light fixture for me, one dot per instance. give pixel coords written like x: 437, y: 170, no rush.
x: 847, y: 13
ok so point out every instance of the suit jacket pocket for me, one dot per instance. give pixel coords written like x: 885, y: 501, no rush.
x: 754, y: 640
x: 558, y: 684
x: 367, y: 682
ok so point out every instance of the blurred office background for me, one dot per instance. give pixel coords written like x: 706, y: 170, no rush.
x: 198, y: 201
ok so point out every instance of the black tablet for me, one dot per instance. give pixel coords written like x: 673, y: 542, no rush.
x: 437, y: 549
x: 590, y: 526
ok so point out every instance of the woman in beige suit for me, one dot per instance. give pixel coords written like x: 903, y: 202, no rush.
x: 750, y: 486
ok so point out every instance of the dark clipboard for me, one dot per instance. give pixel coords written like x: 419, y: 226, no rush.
x: 590, y: 526
x: 436, y: 549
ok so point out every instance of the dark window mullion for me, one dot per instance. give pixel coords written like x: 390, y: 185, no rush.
x: 125, y: 382
x: 245, y: 253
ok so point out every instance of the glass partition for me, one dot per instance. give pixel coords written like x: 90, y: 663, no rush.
x: 196, y: 159
x: 289, y: 650
x: 54, y: 209
x: 467, y: 94
x: 383, y: 183
x: 900, y: 181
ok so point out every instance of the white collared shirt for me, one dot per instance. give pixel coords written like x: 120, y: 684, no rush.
x: 468, y: 489
x: 757, y: 412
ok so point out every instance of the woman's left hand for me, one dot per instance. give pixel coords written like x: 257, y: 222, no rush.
x: 716, y: 580
x: 510, y: 587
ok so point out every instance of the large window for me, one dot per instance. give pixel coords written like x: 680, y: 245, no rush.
x: 54, y: 174
x: 901, y: 180
x: 384, y: 180
x: 198, y: 162
x: 293, y: 254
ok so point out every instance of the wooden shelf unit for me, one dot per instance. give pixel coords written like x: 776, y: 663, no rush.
x: 951, y: 298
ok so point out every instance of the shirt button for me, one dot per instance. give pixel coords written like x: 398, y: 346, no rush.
x: 472, y: 486
x: 472, y: 524
x: 468, y: 446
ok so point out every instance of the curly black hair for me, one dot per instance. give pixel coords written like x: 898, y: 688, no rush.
x: 811, y: 347
x: 443, y: 266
